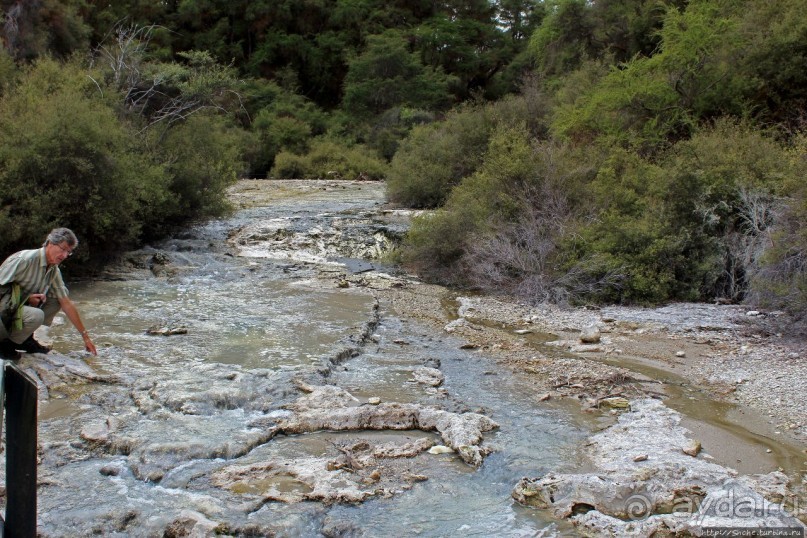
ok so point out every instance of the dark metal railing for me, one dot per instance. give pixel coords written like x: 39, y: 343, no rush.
x: 21, y: 445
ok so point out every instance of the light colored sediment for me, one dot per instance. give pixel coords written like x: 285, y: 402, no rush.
x: 329, y: 408
x: 648, y: 480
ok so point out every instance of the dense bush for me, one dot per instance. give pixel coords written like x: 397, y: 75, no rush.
x: 66, y: 160
x: 500, y: 229
x: 550, y: 222
x: 330, y: 159
x: 201, y: 157
x: 650, y: 101
x: 282, y: 121
x: 435, y: 158
x: 780, y: 279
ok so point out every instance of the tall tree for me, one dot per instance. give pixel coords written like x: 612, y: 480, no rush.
x: 387, y: 74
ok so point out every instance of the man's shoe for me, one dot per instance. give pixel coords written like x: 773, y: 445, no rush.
x: 32, y: 346
x: 8, y: 350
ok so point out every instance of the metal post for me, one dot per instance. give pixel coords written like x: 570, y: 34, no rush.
x: 3, y: 363
x: 21, y: 445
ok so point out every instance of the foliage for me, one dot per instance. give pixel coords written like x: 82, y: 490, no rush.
x: 286, y: 121
x: 780, y: 281
x: 393, y: 126
x: 435, y: 158
x: 502, y: 227
x: 649, y: 102
x: 438, y: 241
x: 628, y: 151
x: 65, y: 160
x: 387, y: 75
x: 8, y: 71
x: 330, y: 159
x: 775, y: 35
x: 201, y: 157
x: 574, y: 31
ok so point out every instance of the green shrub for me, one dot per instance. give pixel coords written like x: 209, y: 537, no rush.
x: 436, y: 157
x: 66, y: 160
x: 203, y: 158
x: 285, y: 121
x: 691, y: 226
x: 330, y: 159
x: 436, y: 243
x: 653, y: 101
x: 8, y: 71
x: 721, y: 195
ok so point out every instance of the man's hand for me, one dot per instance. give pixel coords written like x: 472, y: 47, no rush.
x: 88, y: 345
x: 37, y: 299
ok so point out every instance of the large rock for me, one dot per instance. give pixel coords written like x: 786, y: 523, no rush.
x: 316, y: 412
x: 667, y: 493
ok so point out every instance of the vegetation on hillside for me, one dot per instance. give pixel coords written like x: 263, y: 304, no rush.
x: 632, y: 151
x: 663, y: 159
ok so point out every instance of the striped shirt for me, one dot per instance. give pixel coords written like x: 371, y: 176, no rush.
x: 29, y: 269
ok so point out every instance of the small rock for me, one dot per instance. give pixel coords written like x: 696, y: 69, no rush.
x: 680, y: 354
x: 522, y: 331
x: 166, y: 331
x: 110, y: 470
x: 616, y: 402
x: 95, y: 432
x: 692, y: 449
x: 752, y: 313
x: 429, y: 376
x: 590, y: 335
x: 375, y: 400
x: 544, y: 397
x: 440, y: 449
x: 640, y: 457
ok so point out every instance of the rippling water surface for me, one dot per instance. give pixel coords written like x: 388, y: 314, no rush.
x: 254, y: 323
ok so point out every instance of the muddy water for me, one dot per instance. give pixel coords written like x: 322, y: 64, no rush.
x: 736, y: 437
x: 254, y: 317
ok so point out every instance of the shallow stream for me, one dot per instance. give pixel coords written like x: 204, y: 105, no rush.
x: 253, y: 318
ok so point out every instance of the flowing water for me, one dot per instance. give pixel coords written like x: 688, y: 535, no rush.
x: 254, y: 317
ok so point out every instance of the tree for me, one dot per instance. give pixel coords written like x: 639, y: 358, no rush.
x: 164, y: 93
x: 649, y: 103
x: 387, y: 74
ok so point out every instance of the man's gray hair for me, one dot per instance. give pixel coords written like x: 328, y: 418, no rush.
x: 62, y: 235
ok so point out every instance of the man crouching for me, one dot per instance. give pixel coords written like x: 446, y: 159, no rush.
x: 32, y: 292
